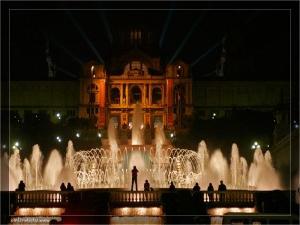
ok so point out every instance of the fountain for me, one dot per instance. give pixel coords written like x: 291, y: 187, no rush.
x: 160, y: 163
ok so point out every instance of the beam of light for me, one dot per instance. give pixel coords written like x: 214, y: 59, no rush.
x: 66, y: 72
x: 107, y: 27
x: 167, y: 22
x: 195, y: 24
x: 206, y: 53
x: 67, y: 51
x: 85, y: 37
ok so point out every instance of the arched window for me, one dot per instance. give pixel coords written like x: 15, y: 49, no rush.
x: 156, y: 95
x: 115, y: 95
x: 135, y: 95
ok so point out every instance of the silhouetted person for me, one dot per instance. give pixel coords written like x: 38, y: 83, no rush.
x: 63, y: 187
x: 70, y: 187
x: 134, y: 173
x: 21, y: 186
x: 222, y: 188
x: 172, y: 187
x: 210, y: 190
x: 146, y: 186
x: 69, y: 196
x: 196, y: 188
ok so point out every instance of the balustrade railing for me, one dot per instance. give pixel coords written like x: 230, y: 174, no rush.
x: 42, y: 197
x: 230, y: 196
x: 121, y: 196
x: 135, y: 196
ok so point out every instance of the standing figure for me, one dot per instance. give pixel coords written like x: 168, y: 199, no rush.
x: 146, y: 186
x: 210, y: 190
x: 21, y: 186
x: 222, y: 188
x: 196, y: 188
x: 172, y: 187
x: 63, y: 187
x: 134, y: 173
x: 70, y: 187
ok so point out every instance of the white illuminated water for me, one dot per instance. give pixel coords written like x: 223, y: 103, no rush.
x: 110, y: 167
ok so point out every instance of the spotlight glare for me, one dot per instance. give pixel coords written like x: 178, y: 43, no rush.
x: 17, y: 144
x: 77, y: 135
x: 99, y: 135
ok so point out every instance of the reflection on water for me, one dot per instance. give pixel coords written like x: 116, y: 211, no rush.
x: 222, y: 211
x: 136, y: 220
x: 137, y: 215
x: 39, y: 211
x: 217, y: 213
x: 137, y: 211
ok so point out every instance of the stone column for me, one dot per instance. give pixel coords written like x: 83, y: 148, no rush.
x: 121, y: 94
x: 127, y: 96
x: 144, y: 94
x: 150, y: 94
x: 163, y: 95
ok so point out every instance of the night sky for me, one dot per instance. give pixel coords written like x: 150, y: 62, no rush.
x: 257, y: 42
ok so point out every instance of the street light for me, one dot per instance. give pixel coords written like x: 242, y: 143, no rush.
x: 255, y: 145
x: 58, y: 115
x: 58, y: 139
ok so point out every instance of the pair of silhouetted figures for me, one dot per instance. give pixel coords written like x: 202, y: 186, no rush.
x: 68, y: 188
x: 21, y: 186
x: 222, y: 187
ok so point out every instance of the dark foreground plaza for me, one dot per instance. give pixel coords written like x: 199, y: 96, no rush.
x: 143, y: 114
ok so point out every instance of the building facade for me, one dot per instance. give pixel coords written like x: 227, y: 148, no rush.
x: 164, y: 96
x: 166, y: 93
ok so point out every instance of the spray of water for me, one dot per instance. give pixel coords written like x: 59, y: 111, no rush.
x: 160, y: 164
